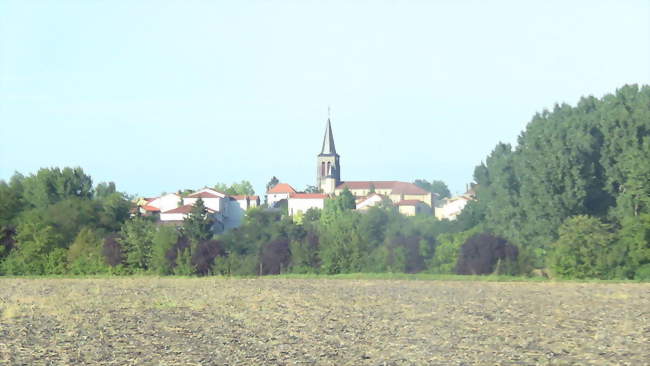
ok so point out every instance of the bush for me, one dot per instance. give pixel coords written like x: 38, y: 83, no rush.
x: 485, y: 254
x: 276, y: 257
x: 85, y: 254
x: 582, y: 248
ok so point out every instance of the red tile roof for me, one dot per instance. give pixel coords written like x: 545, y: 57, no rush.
x: 203, y: 195
x: 308, y: 195
x: 150, y: 208
x: 282, y: 188
x: 395, y: 186
x: 183, y: 210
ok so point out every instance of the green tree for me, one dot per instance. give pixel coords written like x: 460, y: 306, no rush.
x: 104, y: 189
x: 37, y: 251
x: 435, y: 186
x: 49, y: 186
x: 272, y: 183
x: 163, y: 241
x: 198, y: 224
x: 244, y: 188
x: 136, y: 239
x: 342, y: 248
x: 582, y: 249
x: 85, y: 254
x: 632, y: 250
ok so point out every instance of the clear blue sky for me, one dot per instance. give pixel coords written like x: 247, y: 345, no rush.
x: 159, y: 96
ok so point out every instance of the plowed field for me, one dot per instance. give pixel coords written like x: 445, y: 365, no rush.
x: 277, y: 321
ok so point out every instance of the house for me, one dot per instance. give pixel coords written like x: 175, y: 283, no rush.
x: 368, y: 193
x: 212, y: 199
x: 299, y: 203
x: 413, y: 207
x: 396, y: 191
x: 364, y: 203
x: 166, y: 202
x: 246, y: 202
x: 227, y: 212
x: 279, y: 192
x: 450, y: 208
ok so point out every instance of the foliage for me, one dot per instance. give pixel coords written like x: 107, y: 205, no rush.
x: 85, y: 254
x: 272, y: 183
x: 590, y: 159
x: 485, y: 254
x: 630, y: 256
x: 198, y: 223
x: 136, y: 240
x: 435, y: 186
x: 244, y: 188
x: 164, y: 240
x: 37, y: 251
x: 583, y: 248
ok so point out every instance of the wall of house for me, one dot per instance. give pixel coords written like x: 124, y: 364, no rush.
x: 215, y: 204
x: 451, y: 208
x: 366, y: 204
x: 166, y: 202
x: 407, y: 210
x: 301, y: 205
x: 272, y: 198
x: 172, y: 217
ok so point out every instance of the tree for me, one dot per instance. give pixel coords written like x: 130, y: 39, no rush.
x: 163, y: 242
x: 52, y: 185
x: 85, y: 254
x: 136, y: 239
x: 198, y: 224
x: 37, y: 251
x: 104, y: 189
x: 312, y: 189
x: 582, y: 249
x: 485, y: 254
x: 435, y: 186
x: 243, y: 188
x: 272, y: 183
x: 631, y: 253
x: 342, y: 248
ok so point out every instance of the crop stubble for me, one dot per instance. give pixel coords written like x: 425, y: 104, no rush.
x: 277, y: 321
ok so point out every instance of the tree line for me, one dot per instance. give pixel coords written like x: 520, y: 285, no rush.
x: 571, y: 198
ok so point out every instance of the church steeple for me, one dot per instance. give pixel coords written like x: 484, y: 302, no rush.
x: 328, y: 141
x: 328, y: 169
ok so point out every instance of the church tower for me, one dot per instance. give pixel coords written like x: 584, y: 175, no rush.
x: 328, y: 174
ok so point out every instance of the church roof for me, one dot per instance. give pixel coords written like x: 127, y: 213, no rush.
x: 396, y: 187
x: 328, y: 141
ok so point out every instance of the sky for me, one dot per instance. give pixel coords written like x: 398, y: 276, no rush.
x: 159, y: 96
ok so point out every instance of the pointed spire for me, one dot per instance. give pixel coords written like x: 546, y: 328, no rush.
x: 328, y: 141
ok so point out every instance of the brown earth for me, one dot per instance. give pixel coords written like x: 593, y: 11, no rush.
x: 276, y: 321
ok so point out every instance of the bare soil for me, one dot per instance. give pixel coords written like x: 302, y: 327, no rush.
x: 277, y: 321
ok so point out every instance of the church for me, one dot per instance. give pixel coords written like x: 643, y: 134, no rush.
x: 409, y: 198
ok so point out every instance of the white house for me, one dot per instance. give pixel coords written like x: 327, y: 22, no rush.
x: 280, y: 192
x: 364, y: 203
x: 450, y: 208
x: 246, y: 202
x: 165, y: 202
x: 212, y: 199
x: 299, y: 203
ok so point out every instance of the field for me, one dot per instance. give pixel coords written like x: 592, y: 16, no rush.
x: 319, y: 321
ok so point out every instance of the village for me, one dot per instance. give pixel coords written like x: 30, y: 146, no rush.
x: 227, y: 211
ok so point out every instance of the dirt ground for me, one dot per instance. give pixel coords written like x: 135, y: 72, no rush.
x: 276, y: 321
